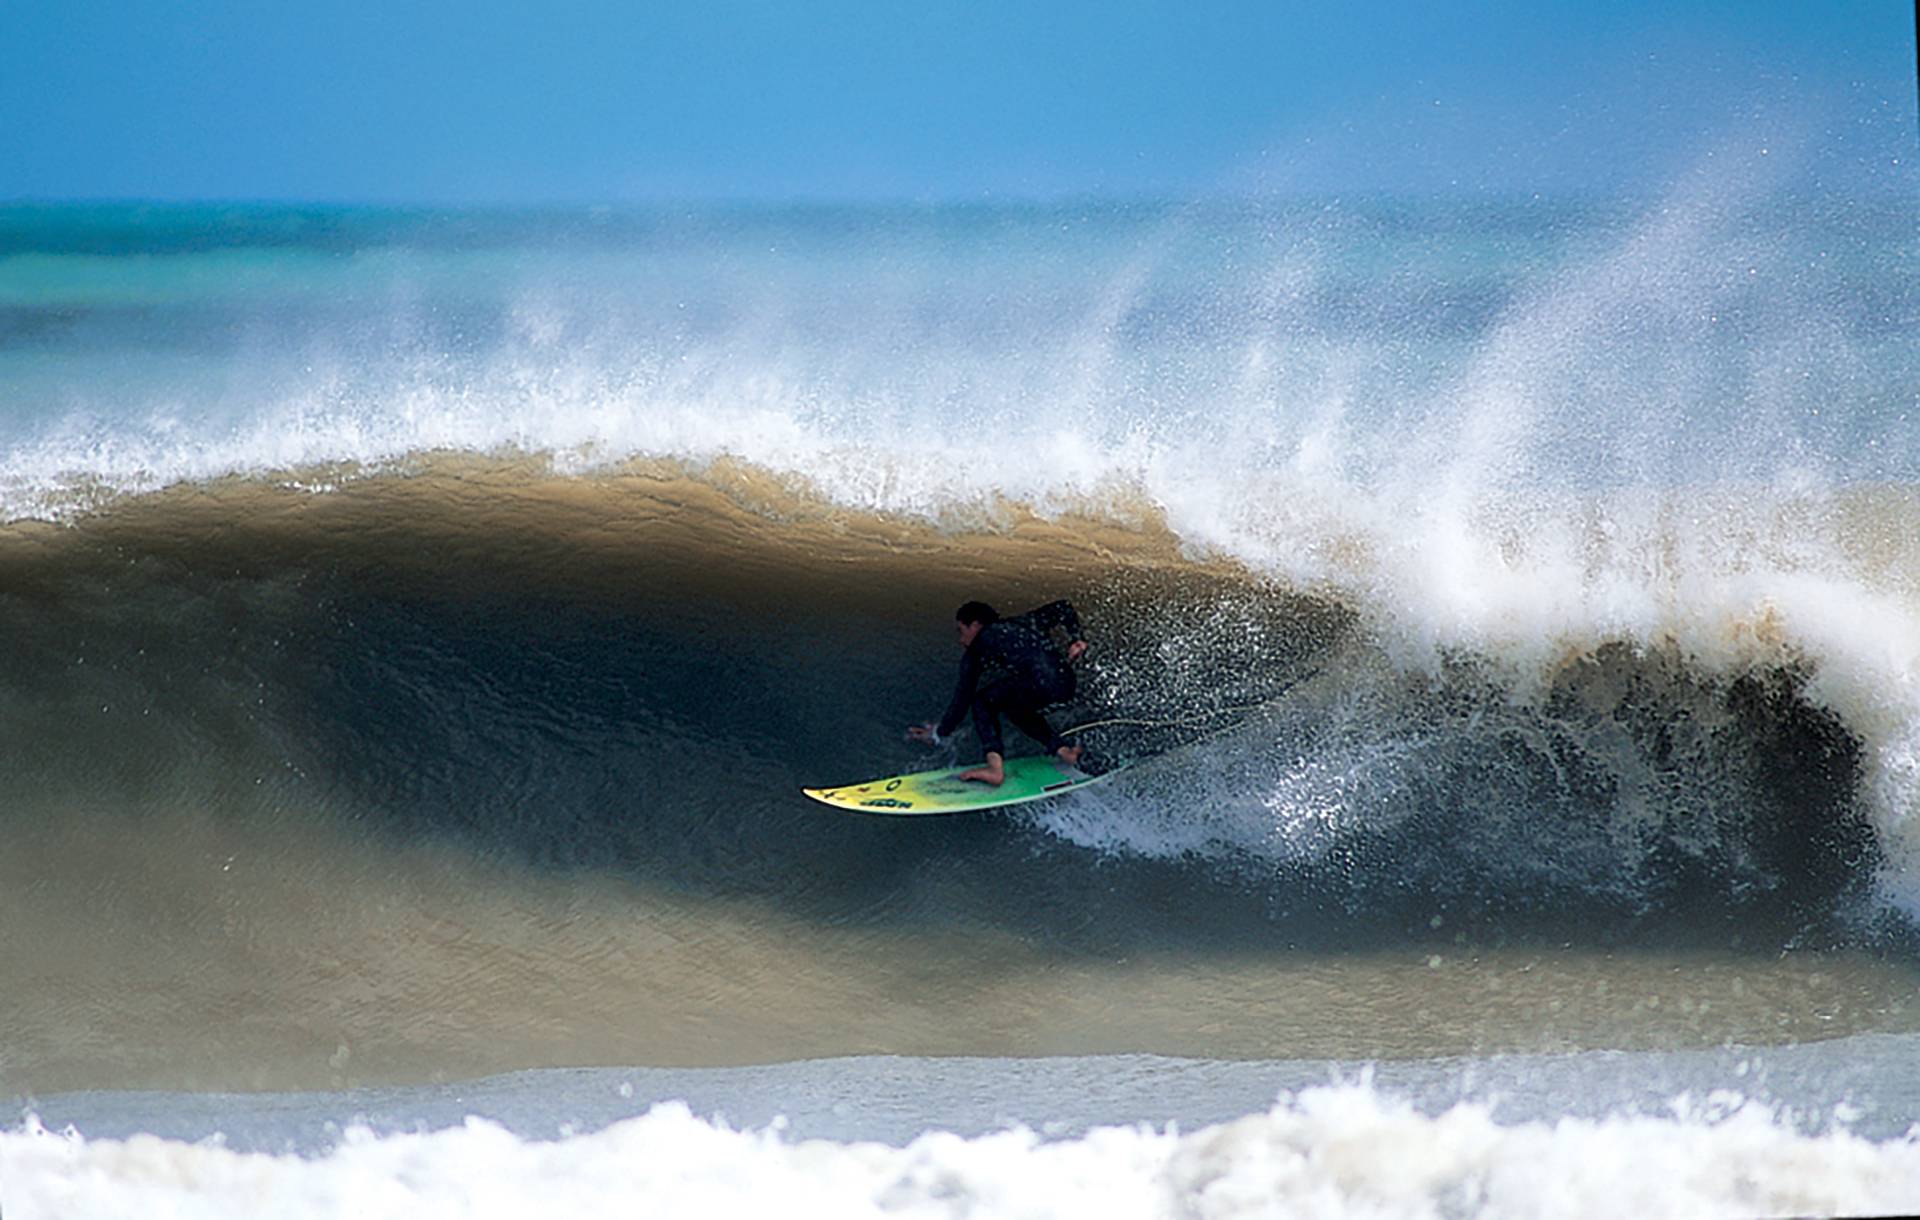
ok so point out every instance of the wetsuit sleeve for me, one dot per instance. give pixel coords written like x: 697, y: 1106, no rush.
x: 1058, y: 614
x: 962, y: 693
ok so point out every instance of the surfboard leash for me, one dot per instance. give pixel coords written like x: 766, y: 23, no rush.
x: 1202, y: 718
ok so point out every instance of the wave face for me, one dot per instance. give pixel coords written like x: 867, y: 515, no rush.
x: 389, y: 591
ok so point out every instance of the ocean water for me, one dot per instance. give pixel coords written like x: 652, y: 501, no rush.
x: 421, y: 624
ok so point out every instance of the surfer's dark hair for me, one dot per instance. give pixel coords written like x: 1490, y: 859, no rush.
x: 976, y: 612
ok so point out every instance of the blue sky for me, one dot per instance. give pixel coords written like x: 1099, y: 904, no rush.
x: 593, y: 100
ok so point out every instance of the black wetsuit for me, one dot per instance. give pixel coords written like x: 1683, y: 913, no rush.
x: 1015, y: 666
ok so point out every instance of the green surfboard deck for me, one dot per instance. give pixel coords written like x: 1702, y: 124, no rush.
x: 936, y: 792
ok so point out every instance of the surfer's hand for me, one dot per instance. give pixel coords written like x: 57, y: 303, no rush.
x: 1076, y: 650
x: 923, y: 732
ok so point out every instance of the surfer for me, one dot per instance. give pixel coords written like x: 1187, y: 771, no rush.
x: 1013, y: 665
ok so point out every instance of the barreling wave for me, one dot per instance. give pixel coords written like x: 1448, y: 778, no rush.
x: 419, y: 629
x: 1653, y: 707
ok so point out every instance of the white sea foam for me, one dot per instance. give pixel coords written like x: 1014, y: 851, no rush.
x: 1332, y: 1151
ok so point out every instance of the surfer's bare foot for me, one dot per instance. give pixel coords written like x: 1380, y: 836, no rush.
x: 994, y: 773
x: 1070, y: 755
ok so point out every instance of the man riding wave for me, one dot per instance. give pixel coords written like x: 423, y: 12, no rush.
x: 1015, y: 666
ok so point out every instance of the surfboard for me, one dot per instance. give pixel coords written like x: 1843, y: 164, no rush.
x: 936, y: 792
